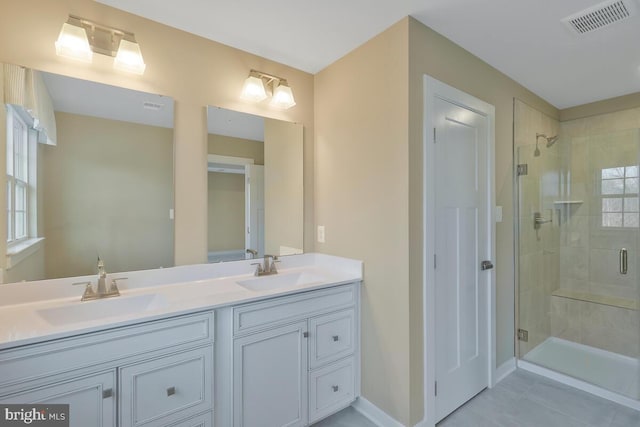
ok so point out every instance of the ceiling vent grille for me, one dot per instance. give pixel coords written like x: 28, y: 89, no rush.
x: 154, y: 106
x: 600, y: 16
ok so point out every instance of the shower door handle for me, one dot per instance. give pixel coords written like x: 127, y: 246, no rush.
x: 486, y: 265
x: 623, y: 261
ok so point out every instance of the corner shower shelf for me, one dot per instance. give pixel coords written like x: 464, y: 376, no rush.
x: 625, y: 303
x: 568, y: 202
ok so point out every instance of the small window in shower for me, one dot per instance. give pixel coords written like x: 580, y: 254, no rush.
x: 619, y: 192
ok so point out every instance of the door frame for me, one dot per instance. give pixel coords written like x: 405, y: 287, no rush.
x: 435, y: 89
x: 238, y: 166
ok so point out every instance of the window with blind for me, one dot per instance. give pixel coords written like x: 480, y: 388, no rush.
x: 17, y: 178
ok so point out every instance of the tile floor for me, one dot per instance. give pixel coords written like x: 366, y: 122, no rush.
x: 522, y: 399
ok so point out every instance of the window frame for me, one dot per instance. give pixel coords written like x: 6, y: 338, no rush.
x: 622, y: 196
x: 27, y: 181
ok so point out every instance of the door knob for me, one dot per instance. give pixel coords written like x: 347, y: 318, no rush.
x: 486, y: 265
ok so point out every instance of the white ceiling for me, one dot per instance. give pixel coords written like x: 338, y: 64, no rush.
x: 87, y: 98
x: 523, y: 39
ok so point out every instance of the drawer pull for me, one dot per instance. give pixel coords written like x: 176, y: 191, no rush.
x: 107, y: 393
x: 171, y: 391
x: 335, y: 388
x: 305, y: 334
x: 336, y: 338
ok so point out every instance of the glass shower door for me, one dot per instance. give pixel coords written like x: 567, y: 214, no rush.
x: 578, y: 228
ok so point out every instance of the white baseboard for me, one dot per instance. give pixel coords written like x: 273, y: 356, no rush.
x: 505, y: 369
x: 374, y: 414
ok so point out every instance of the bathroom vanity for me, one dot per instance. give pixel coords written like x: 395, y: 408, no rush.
x: 189, y: 346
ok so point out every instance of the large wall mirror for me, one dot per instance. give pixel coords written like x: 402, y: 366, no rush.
x: 255, y: 186
x: 89, y: 173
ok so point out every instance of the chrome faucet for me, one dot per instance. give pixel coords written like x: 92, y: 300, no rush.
x: 102, y: 289
x: 267, y: 267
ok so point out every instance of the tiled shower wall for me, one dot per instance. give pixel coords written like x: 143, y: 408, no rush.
x: 589, y: 252
x: 538, y: 262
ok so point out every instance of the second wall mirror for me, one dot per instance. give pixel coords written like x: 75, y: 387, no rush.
x: 255, y: 186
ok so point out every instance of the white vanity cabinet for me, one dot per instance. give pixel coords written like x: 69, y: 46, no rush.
x: 152, y: 374
x: 292, y: 360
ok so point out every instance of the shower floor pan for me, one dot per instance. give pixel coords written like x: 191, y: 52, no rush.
x: 602, y: 368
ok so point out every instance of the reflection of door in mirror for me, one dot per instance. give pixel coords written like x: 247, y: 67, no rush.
x: 235, y: 205
x: 260, y: 209
x: 100, y: 178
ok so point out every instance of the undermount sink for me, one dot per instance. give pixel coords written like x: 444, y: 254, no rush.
x: 278, y: 281
x: 101, y: 309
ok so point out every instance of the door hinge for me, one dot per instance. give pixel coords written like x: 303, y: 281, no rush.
x: 435, y: 388
x: 523, y: 335
x: 434, y: 135
x: 434, y: 261
x: 522, y: 169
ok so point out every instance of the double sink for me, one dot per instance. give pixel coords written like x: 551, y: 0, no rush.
x: 74, y: 311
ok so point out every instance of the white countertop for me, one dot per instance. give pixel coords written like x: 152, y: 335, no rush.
x: 33, y: 312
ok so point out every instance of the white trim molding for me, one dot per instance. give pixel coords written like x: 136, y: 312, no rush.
x: 374, y: 414
x: 504, y: 370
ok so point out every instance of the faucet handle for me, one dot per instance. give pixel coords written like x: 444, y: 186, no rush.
x: 273, y: 268
x: 114, y: 283
x: 88, y: 290
x: 258, y: 267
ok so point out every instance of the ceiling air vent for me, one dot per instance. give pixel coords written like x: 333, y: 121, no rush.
x: 148, y: 105
x: 600, y: 16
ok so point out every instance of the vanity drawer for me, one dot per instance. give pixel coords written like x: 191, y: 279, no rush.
x: 331, y: 389
x: 261, y: 315
x: 204, y: 420
x: 332, y: 337
x: 168, y: 389
x: 71, y: 355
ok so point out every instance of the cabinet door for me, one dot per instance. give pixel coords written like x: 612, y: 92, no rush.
x: 270, y: 378
x: 91, y: 399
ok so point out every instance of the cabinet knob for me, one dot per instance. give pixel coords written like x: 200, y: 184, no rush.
x: 335, y: 388
x: 305, y: 334
x: 336, y: 338
x: 171, y: 391
x: 107, y: 393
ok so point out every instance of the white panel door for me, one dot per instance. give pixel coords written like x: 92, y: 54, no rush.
x: 254, y: 209
x: 461, y: 236
x: 270, y: 378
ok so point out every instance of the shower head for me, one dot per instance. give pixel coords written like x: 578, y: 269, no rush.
x: 550, y: 139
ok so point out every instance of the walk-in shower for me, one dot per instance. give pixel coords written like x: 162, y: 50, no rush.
x: 577, y: 227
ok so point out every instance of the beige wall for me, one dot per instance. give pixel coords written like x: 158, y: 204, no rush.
x: 362, y: 198
x: 606, y: 106
x: 236, y: 147
x: 108, y: 192
x: 283, y: 187
x: 205, y: 73
x: 369, y: 192
x: 226, y: 211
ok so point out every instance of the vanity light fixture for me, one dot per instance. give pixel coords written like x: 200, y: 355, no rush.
x: 259, y: 86
x: 73, y: 42
x: 80, y: 38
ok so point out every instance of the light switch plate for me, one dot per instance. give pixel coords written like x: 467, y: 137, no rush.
x: 321, y: 234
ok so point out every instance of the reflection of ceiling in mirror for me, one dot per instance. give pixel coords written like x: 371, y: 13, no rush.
x: 87, y: 98
x: 233, y: 123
